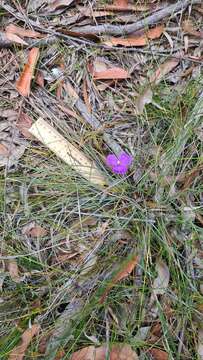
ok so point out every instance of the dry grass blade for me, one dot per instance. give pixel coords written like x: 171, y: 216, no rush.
x: 18, y: 352
x: 122, y: 274
x: 24, y: 82
x: 67, y: 152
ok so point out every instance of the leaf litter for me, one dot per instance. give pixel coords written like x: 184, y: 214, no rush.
x: 119, y: 65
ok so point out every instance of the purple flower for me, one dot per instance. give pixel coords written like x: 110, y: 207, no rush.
x: 119, y: 164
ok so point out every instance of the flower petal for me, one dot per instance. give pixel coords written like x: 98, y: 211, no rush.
x: 120, y: 169
x: 111, y: 160
x: 125, y: 159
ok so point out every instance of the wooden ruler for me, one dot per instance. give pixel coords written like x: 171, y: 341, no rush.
x: 51, y: 138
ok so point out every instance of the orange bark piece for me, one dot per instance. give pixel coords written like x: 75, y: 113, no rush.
x: 141, y: 40
x: 112, y: 73
x: 122, y: 274
x: 24, y: 81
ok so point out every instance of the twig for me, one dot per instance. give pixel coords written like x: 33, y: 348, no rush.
x: 109, y: 29
x: 91, y: 119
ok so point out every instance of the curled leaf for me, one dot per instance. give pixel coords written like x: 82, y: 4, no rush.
x: 142, y: 100
x: 122, y: 274
x: 163, y: 70
x: 117, y: 352
x: 24, y: 81
x: 18, y: 352
x: 161, y: 282
x: 23, y: 124
x: 13, y: 270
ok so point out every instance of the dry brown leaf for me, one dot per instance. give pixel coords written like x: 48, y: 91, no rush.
x: 117, y: 352
x: 139, y: 40
x: 103, y: 70
x: 200, y: 344
x: 4, y: 150
x: 24, y: 81
x: 188, y: 27
x: 18, y: 352
x: 17, y: 30
x: 142, y: 100
x: 86, y: 97
x: 122, y: 274
x: 59, y: 3
x: 23, y: 124
x: 13, y: 270
x: 37, y: 231
x: 159, y: 354
x: 15, y: 38
x: 161, y: 282
x: 123, y: 5
x: 39, y: 79
x: 164, y: 69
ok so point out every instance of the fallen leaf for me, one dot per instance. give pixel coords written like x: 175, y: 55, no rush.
x: 15, y: 38
x: 24, y: 122
x: 117, y: 352
x: 17, y: 30
x: 123, y: 5
x: 24, y: 81
x: 13, y: 270
x: 142, y: 100
x: 199, y: 9
x: 188, y: 27
x: 122, y: 274
x: 161, y: 282
x: 4, y: 150
x: 158, y: 354
x: 18, y: 352
x: 103, y: 70
x: 39, y: 78
x: 200, y: 344
x: 86, y: 97
x: 139, y: 40
x: 33, y: 230
x: 60, y: 3
x: 163, y: 69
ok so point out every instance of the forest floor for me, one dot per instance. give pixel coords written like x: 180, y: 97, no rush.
x: 107, y: 263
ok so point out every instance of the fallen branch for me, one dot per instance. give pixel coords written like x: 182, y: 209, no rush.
x: 109, y: 29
